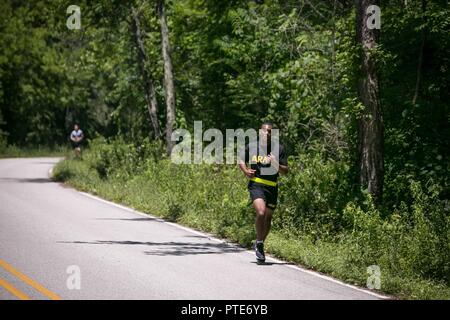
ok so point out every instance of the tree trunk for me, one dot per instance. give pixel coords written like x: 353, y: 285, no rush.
x: 370, y: 122
x: 422, y: 49
x: 168, y: 76
x: 150, y: 95
x: 333, y: 57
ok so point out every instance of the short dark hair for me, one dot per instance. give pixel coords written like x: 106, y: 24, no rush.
x: 269, y: 123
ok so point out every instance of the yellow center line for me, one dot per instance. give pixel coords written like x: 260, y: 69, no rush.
x: 29, y: 281
x: 8, y: 286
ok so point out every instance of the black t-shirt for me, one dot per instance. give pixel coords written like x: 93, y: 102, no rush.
x: 255, y: 154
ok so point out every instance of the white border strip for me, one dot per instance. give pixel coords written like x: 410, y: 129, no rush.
x: 210, y: 237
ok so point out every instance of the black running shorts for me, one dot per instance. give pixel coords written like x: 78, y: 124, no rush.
x: 267, y: 193
x: 75, y: 144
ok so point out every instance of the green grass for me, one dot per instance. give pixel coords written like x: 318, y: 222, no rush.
x: 214, y: 199
x: 17, y: 152
x: 331, y: 259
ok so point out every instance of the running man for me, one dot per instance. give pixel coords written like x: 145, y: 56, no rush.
x: 75, y: 138
x: 262, y: 186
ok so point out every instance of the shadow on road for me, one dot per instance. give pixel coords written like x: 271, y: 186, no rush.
x: 273, y: 263
x: 171, y: 248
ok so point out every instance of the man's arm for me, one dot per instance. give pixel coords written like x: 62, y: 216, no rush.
x: 250, y: 173
x: 243, y: 157
x: 282, y: 168
x: 281, y: 163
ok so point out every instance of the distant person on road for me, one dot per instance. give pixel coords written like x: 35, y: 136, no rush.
x: 76, y: 137
x: 254, y: 161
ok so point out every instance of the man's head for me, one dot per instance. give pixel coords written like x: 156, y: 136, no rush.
x: 76, y: 127
x: 265, y: 131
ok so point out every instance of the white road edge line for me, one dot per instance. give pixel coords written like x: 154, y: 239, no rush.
x: 210, y: 237
x: 295, y: 267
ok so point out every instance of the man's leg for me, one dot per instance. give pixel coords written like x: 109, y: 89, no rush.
x: 267, y: 222
x: 260, y: 207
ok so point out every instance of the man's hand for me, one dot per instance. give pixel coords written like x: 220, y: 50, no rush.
x: 250, y: 173
x: 273, y: 160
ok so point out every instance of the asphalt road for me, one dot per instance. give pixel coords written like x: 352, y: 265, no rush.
x: 56, y: 242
